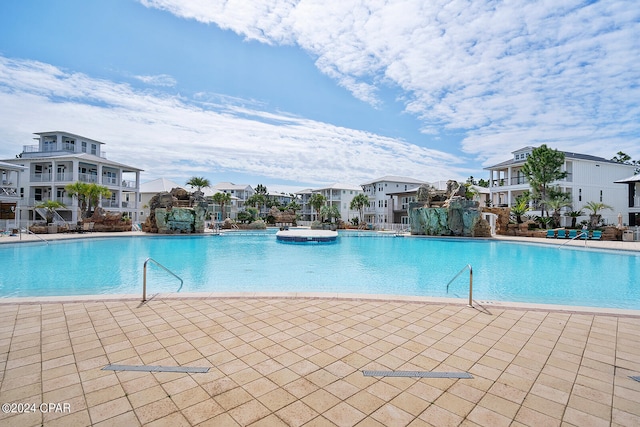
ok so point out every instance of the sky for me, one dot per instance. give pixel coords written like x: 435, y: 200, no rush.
x: 294, y: 94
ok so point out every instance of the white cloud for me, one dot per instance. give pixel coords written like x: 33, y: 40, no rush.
x: 163, y: 80
x: 564, y: 73
x: 175, y: 137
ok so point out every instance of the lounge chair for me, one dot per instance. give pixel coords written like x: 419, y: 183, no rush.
x: 584, y: 235
x: 551, y: 234
x: 596, y: 235
x: 562, y: 233
x: 573, y: 234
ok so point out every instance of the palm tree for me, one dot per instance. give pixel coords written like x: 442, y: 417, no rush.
x: 330, y: 212
x: 358, y: 203
x: 596, y: 207
x: 88, y: 195
x: 50, y: 206
x: 222, y: 198
x: 520, y: 208
x: 574, y: 217
x: 316, y: 201
x: 95, y: 193
x: 198, y: 182
x: 561, y: 200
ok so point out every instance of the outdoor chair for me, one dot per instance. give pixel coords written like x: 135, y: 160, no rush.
x: 573, y: 234
x: 551, y: 234
x: 562, y: 234
x: 596, y: 235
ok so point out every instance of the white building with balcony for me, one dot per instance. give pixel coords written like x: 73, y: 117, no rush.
x: 62, y: 158
x: 589, y: 179
x: 9, y: 195
x: 239, y: 194
x: 381, y: 191
x: 340, y: 196
x: 633, y: 191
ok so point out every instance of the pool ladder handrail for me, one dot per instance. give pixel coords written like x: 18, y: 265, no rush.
x: 31, y: 232
x: 582, y: 233
x: 144, y: 276
x: 470, y: 282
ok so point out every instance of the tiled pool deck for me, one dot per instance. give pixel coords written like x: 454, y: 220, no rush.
x: 293, y: 360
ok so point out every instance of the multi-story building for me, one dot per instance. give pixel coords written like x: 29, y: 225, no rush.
x: 589, y: 179
x: 340, y: 196
x: 306, y: 212
x: 9, y: 195
x: 239, y: 194
x: 62, y: 158
x: 380, y: 212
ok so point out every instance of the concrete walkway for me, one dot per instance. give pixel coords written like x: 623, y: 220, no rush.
x: 299, y: 361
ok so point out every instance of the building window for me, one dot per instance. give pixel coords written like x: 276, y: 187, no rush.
x: 94, y: 149
x: 84, y: 146
x: 600, y: 196
x: 580, y: 194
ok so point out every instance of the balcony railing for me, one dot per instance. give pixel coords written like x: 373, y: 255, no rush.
x: 64, y: 176
x: 6, y: 191
x: 521, y: 180
x: 636, y: 202
x: 129, y: 184
x: 108, y: 180
x: 41, y: 177
x: 85, y: 177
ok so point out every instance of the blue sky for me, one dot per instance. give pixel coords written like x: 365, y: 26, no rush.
x: 296, y: 94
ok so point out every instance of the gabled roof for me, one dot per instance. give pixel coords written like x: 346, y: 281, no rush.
x: 635, y: 178
x: 158, y: 186
x: 392, y: 178
x: 4, y: 165
x: 340, y: 186
x: 567, y: 154
x: 230, y: 186
x: 73, y: 135
x: 81, y: 156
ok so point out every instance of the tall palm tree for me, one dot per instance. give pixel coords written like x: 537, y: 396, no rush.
x: 316, y: 201
x: 95, y: 193
x: 88, y: 195
x: 358, y: 203
x: 222, y: 199
x: 198, y: 182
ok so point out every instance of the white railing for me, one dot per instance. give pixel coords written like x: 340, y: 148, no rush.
x: 41, y: 177
x: 110, y: 180
x: 64, y: 176
x: 85, y: 177
x: 9, y: 191
x: 129, y: 184
x: 636, y: 202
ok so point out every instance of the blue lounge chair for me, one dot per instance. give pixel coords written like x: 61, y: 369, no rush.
x: 573, y: 234
x: 596, y: 235
x: 584, y: 235
x: 562, y: 234
x: 551, y: 234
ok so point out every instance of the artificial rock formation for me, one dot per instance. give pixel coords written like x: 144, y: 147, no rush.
x: 176, y: 212
x: 445, y: 212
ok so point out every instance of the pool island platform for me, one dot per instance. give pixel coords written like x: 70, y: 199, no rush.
x: 306, y: 235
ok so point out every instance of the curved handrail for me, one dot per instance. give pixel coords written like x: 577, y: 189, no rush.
x: 470, y: 282
x: 31, y: 232
x: 582, y: 233
x: 144, y: 277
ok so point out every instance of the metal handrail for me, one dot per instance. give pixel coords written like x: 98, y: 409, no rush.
x: 31, y: 232
x: 582, y: 233
x: 144, y: 277
x: 470, y: 282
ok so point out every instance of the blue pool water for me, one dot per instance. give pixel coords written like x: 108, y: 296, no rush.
x: 249, y: 262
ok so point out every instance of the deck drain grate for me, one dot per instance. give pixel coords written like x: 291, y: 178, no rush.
x: 144, y: 368
x: 635, y: 378
x: 418, y: 374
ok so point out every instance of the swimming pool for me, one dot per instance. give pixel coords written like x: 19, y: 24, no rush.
x: 357, y: 263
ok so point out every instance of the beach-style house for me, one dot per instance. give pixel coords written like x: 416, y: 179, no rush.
x: 589, y: 179
x: 61, y: 158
